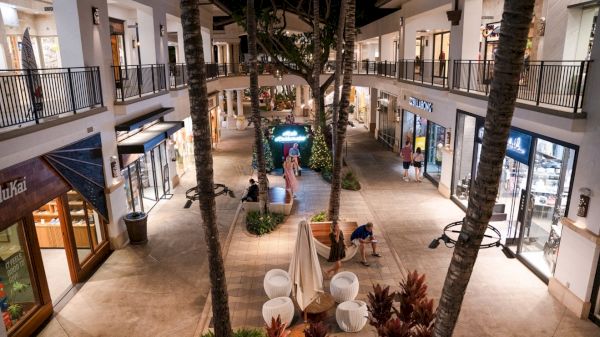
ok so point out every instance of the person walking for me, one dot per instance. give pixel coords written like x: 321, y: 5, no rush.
x: 294, y: 152
x: 406, y: 154
x: 362, y: 236
x: 418, y: 159
x: 291, y: 183
x: 337, y: 252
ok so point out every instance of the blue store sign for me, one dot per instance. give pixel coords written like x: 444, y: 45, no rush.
x: 518, y: 145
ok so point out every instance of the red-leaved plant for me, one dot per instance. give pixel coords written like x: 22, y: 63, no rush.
x: 414, y: 316
x: 277, y: 329
x: 317, y: 329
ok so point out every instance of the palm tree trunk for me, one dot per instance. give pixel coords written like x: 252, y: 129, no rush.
x: 336, y: 176
x: 263, y: 194
x: 320, y: 115
x: 194, y: 56
x: 338, y: 72
x: 516, y: 20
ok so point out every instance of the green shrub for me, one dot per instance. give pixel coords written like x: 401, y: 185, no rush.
x: 258, y: 224
x: 350, y: 182
x: 243, y: 332
x: 319, y: 217
x: 326, y: 174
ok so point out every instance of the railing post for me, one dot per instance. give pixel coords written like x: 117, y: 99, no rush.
x: 367, y: 67
x: 385, y: 69
x: 32, y: 95
x: 539, y: 87
x: 99, y: 85
x: 153, y: 79
x: 71, y: 91
x: 139, y: 80
x: 579, y: 83
x: 122, y: 82
x: 469, y: 77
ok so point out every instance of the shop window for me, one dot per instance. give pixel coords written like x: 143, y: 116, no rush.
x: 435, y: 140
x: 463, y: 162
x: 387, y: 120
x: 87, y: 227
x: 17, y: 294
x: 132, y: 188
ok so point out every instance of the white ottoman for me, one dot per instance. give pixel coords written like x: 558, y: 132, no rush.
x: 351, y: 316
x: 277, y: 283
x: 344, y: 286
x: 280, y: 306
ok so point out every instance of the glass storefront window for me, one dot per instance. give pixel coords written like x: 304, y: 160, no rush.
x: 435, y: 140
x: 87, y: 227
x: 420, y: 133
x: 132, y: 188
x: 17, y: 295
x: 408, y: 127
x: 387, y: 119
x: 463, y: 162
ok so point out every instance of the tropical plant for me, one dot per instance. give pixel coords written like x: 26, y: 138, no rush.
x: 194, y: 56
x: 243, y: 332
x: 509, y: 57
x: 269, y: 165
x: 260, y: 224
x: 15, y: 311
x: 350, y: 182
x: 316, y: 329
x: 380, y: 306
x: 320, y: 158
x: 277, y: 329
x: 342, y: 117
x: 319, y: 217
x: 259, y: 139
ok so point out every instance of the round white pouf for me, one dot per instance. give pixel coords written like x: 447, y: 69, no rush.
x: 280, y: 306
x: 344, y: 286
x: 277, y: 283
x: 351, y: 316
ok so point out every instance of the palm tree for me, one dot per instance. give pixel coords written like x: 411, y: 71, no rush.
x: 316, y: 75
x: 194, y: 57
x: 501, y: 104
x: 336, y: 181
x: 258, y: 131
x: 338, y: 71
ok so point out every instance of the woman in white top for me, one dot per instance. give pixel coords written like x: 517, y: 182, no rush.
x: 418, y: 159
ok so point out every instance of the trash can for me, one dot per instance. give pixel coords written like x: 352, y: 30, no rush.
x: 137, y: 227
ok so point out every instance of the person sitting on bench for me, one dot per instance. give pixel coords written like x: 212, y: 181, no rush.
x: 252, y: 192
x: 362, y: 236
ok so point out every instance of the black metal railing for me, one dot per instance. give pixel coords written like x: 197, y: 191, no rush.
x: 138, y: 80
x: 177, y: 75
x: 542, y: 83
x: 29, y: 95
x: 426, y: 72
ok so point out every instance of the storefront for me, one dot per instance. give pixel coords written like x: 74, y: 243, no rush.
x: 387, y: 107
x: 430, y: 137
x: 362, y: 104
x: 145, y: 161
x: 534, y: 189
x: 53, y: 234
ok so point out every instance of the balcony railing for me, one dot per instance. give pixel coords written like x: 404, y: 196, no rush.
x: 425, y: 72
x: 138, y: 80
x: 30, y: 95
x: 542, y: 83
x: 177, y: 75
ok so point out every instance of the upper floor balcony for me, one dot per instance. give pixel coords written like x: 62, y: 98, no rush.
x: 32, y: 96
x: 135, y: 81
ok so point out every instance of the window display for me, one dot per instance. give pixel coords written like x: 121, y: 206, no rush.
x: 435, y: 144
x: 17, y: 295
x: 387, y: 119
x: 463, y: 157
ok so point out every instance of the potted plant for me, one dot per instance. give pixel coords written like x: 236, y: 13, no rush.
x: 137, y: 227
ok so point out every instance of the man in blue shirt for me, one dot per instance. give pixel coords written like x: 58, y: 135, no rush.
x: 364, y: 235
x: 295, y: 154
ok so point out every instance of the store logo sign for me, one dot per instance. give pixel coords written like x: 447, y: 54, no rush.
x: 420, y: 104
x: 12, y: 188
x: 290, y: 136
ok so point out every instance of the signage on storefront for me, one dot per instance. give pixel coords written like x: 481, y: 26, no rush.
x: 518, y: 145
x: 420, y: 104
x: 290, y: 136
x: 12, y: 188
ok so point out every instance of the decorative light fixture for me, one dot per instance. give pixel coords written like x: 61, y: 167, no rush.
x: 162, y: 30
x: 452, y: 234
x: 96, y: 15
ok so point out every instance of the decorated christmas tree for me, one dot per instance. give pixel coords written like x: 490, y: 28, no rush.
x: 268, y: 155
x: 320, y: 158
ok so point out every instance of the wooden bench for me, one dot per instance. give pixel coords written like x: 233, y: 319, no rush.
x: 280, y: 201
x: 321, y: 231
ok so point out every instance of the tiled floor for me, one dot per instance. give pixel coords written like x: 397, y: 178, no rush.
x: 160, y: 289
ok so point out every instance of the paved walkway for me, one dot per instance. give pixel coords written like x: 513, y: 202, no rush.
x: 161, y: 289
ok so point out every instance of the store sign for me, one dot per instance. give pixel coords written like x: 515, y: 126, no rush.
x: 420, y: 104
x: 12, y: 188
x: 290, y: 136
x: 518, y: 145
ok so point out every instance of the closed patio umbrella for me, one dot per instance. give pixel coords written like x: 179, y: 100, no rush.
x: 30, y: 68
x: 305, y: 269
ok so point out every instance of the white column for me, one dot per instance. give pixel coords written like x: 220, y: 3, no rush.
x: 240, y: 106
x: 298, y: 105
x: 306, y: 95
x: 230, y: 115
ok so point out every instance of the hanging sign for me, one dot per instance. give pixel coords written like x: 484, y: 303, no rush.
x: 420, y: 104
x: 12, y: 188
x: 518, y: 145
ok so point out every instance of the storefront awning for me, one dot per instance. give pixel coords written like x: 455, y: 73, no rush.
x: 140, y: 121
x: 148, y: 138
